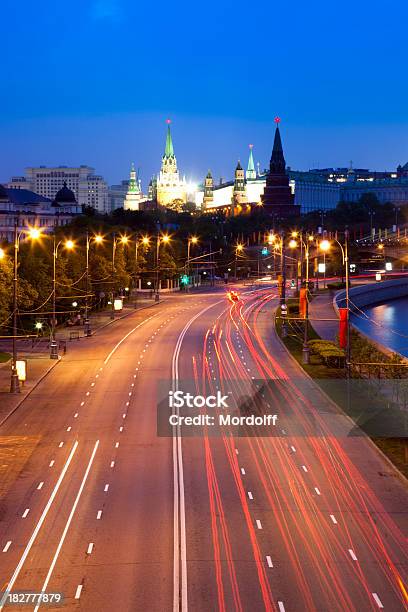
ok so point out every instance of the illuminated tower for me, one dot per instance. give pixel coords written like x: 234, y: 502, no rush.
x: 239, y: 195
x: 251, y: 172
x: 208, y: 190
x: 171, y: 189
x: 277, y: 197
x: 133, y: 195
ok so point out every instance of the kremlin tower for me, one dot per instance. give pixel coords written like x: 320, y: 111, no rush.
x: 208, y: 190
x: 171, y: 190
x: 277, y: 197
x: 134, y: 194
x: 251, y: 172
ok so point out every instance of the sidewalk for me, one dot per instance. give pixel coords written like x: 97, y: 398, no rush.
x: 37, y: 356
x: 321, y: 307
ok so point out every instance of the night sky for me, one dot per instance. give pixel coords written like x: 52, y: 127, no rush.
x: 93, y: 82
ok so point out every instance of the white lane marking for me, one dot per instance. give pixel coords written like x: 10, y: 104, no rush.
x: 237, y: 451
x: 88, y: 392
x: 269, y: 561
x: 258, y: 524
x: 333, y: 518
x: 352, y: 554
x: 281, y: 606
x: 40, y: 486
x: 68, y: 523
x: 317, y: 490
x: 115, y: 348
x: 250, y: 495
x: 69, y: 428
x: 130, y: 393
x: 112, y: 464
x: 90, y: 547
x: 127, y: 403
x: 60, y: 445
x: 106, y: 487
x: 293, y: 448
x: 377, y: 600
x: 117, y: 445
x: 92, y: 384
x: 78, y: 591
x: 76, y: 415
x: 99, y: 514
x: 132, y: 385
x: 82, y: 403
x: 304, y: 468
x: 243, y: 471
x: 7, y: 546
x: 26, y: 511
x: 37, y: 528
x: 124, y: 415
x: 51, y: 463
x: 179, y: 514
x: 120, y: 429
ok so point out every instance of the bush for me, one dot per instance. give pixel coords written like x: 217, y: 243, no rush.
x: 328, y: 352
x: 337, y: 286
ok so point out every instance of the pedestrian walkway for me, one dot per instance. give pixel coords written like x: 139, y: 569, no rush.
x: 323, y: 316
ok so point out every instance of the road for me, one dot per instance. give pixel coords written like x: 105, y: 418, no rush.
x: 97, y: 506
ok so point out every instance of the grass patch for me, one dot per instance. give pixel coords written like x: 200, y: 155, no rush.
x: 4, y: 357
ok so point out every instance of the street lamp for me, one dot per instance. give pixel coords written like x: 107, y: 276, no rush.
x: 98, y: 239
x: 238, y: 249
x: 115, y: 241
x: 145, y: 241
x: 164, y: 238
x: 190, y: 241
x: 68, y: 245
x: 325, y: 246
x: 34, y: 234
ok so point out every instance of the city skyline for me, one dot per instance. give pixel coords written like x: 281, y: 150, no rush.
x: 94, y: 84
x: 295, y: 137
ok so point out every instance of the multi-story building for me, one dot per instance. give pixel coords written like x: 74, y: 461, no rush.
x: 117, y: 194
x: 89, y: 188
x: 30, y: 209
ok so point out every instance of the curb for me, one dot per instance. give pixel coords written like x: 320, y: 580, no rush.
x: 388, y: 461
x: 30, y: 391
x: 135, y: 310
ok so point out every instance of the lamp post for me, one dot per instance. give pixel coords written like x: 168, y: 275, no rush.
x: 191, y: 240
x: 145, y: 241
x: 238, y: 249
x: 115, y: 241
x: 53, y: 343
x: 98, y: 240
x: 165, y: 239
x: 33, y: 234
x: 325, y: 246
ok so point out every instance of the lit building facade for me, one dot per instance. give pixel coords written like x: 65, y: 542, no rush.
x: 33, y: 210
x: 170, y: 189
x: 89, y: 188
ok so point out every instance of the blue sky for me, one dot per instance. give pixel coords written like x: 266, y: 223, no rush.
x: 93, y: 82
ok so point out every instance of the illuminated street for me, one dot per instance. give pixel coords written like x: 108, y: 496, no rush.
x: 253, y: 523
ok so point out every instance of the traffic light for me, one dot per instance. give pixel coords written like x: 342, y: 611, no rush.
x: 184, y: 279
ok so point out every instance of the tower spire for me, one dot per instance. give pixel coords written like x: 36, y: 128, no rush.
x: 169, y: 151
x: 251, y: 173
x: 277, y: 164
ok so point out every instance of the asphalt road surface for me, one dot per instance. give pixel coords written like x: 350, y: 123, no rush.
x: 97, y: 506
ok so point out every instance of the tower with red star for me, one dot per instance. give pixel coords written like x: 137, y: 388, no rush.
x: 277, y: 198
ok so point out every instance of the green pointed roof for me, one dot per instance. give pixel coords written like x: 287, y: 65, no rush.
x: 251, y: 166
x: 169, y: 151
x: 133, y: 182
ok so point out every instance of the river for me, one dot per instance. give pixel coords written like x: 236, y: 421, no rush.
x: 386, y: 323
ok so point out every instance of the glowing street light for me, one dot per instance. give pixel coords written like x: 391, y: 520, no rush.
x: 2, y: 253
x: 324, y: 246
x: 146, y: 240
x: 34, y: 234
x: 98, y: 238
x: 190, y: 241
x: 293, y: 244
